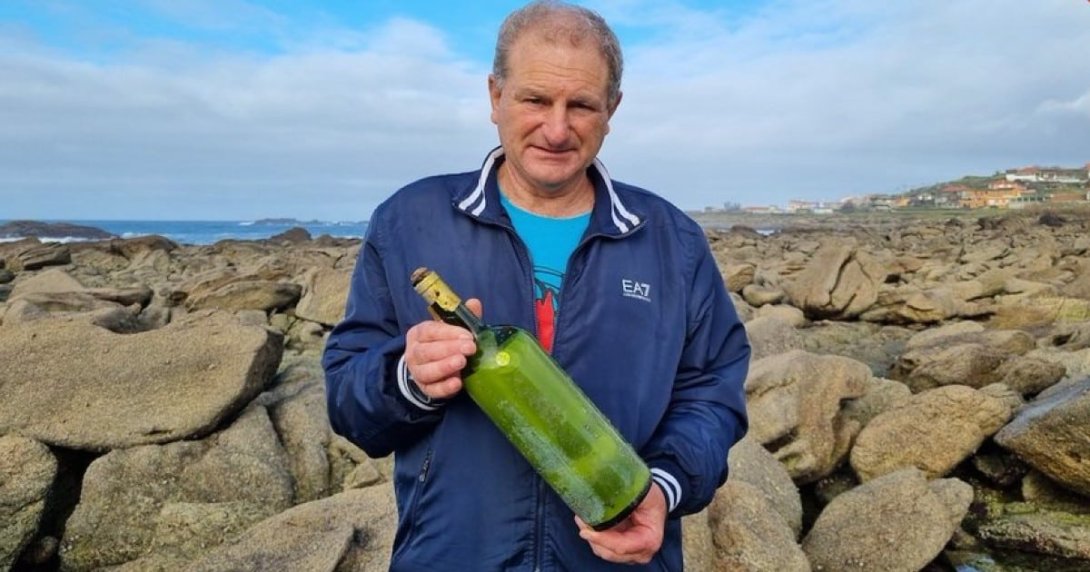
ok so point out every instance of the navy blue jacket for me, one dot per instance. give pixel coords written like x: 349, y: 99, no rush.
x: 644, y: 326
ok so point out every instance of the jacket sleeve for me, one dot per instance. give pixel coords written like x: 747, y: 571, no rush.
x: 371, y: 400
x: 687, y: 453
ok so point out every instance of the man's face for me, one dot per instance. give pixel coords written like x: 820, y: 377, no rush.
x: 552, y: 112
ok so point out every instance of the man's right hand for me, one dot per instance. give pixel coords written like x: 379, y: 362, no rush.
x: 435, y: 354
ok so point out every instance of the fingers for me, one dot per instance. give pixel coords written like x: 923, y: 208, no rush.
x: 435, y: 354
x: 631, y: 544
x: 634, y: 545
x: 634, y: 540
x: 474, y: 306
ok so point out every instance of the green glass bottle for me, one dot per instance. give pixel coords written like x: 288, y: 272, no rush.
x: 544, y: 414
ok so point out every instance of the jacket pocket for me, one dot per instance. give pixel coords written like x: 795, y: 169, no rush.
x: 410, y: 517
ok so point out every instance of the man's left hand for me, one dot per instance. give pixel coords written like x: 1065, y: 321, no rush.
x: 636, y: 539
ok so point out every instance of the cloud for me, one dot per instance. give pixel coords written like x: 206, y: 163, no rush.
x: 329, y: 132
x: 826, y: 99
x: 783, y: 99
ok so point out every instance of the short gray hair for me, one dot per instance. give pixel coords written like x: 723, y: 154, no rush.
x: 561, y: 20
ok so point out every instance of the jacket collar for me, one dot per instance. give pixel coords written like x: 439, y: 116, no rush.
x: 610, y: 215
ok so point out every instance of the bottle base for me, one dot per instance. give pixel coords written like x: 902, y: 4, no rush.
x: 627, y: 510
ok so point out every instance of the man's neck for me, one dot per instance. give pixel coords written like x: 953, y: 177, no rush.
x: 567, y: 202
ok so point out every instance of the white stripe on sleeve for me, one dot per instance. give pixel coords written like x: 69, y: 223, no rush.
x: 403, y: 381
x: 670, y: 487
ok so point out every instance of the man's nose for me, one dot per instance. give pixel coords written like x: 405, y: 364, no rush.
x: 557, y: 126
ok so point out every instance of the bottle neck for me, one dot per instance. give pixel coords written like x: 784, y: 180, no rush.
x: 443, y: 303
x: 465, y: 318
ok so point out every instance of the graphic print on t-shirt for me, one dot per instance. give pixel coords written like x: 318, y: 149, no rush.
x: 550, y: 242
x: 546, y: 300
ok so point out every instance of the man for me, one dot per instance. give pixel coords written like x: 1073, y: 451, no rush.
x: 618, y: 284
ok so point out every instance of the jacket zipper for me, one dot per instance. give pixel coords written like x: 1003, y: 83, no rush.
x: 539, y: 523
x: 424, y: 468
x: 539, y: 495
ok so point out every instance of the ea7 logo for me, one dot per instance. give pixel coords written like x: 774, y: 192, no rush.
x: 638, y: 290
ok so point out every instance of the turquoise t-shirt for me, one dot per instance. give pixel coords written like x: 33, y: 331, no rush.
x: 551, y: 242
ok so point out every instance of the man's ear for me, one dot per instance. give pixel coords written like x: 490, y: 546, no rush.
x: 616, y: 104
x: 494, y: 93
x: 613, y: 109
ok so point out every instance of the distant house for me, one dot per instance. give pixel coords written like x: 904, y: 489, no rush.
x: 1005, y: 185
x: 1028, y: 174
x: 1028, y: 197
x: 773, y: 209
x: 797, y: 206
x: 878, y: 202
x: 995, y: 198
x: 1036, y: 174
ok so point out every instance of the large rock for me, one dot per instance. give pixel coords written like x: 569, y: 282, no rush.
x: 940, y: 334
x: 974, y: 365
x: 47, y: 282
x: 37, y: 257
x: 933, y: 431
x: 1025, y: 527
x: 36, y: 306
x: 350, y: 531
x: 840, y: 281
x: 55, y: 291
x: 1053, y: 435
x: 299, y: 415
x: 749, y: 535
x: 140, y: 246
x: 750, y: 462
x: 738, y: 276
x: 962, y: 355
x: 878, y: 346
x: 697, y: 543
x: 27, y: 471
x: 912, y: 305
x: 769, y: 336
x: 895, y: 523
x: 69, y: 383
x: 175, y: 500
x: 1031, y: 375
x: 264, y: 295
x: 1075, y: 363
x: 325, y: 292
x: 882, y: 395
x: 1079, y: 287
x: 762, y: 294
x: 794, y: 403
x: 1042, y: 311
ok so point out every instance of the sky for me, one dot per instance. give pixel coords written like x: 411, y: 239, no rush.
x: 244, y: 109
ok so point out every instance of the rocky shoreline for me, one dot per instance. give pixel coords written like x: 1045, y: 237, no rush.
x: 919, y: 400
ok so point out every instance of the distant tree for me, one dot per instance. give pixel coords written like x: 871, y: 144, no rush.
x: 730, y: 206
x: 848, y: 207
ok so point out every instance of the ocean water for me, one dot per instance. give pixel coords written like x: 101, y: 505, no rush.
x: 208, y: 232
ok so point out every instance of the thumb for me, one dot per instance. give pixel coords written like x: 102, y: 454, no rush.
x: 474, y: 306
